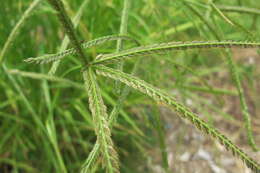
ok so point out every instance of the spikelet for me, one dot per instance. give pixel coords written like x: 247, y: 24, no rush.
x: 100, y: 118
x: 182, y: 110
x: 165, y: 47
x: 58, y: 56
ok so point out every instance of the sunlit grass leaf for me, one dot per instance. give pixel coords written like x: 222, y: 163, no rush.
x: 17, y: 27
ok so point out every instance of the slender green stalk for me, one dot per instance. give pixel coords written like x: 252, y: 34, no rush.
x: 158, y: 124
x: 244, y: 107
x: 65, y: 41
x: 223, y: 16
x: 17, y: 27
x: 239, y: 9
x: 68, y: 28
x: 202, y: 18
x: 163, y: 47
x: 51, y: 132
x: 232, y: 22
x: 26, y: 102
x: 123, y: 25
x: 182, y: 111
x: 123, y: 31
x: 45, y: 77
x: 215, y: 91
x: 203, y: 81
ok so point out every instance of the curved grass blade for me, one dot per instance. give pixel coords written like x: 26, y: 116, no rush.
x: 164, y: 47
x: 65, y: 42
x: 184, y: 112
x: 58, y: 56
x: 15, y: 30
x: 42, y: 76
x: 232, y: 22
x: 202, y: 18
x: 238, y: 9
x: 100, y: 119
x: 223, y: 16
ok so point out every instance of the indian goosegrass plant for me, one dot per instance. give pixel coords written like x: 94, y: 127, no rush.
x: 105, y: 150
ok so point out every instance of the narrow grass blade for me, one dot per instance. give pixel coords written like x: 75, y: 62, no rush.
x: 44, y: 77
x: 15, y: 30
x: 123, y: 31
x: 77, y: 85
x: 232, y: 22
x: 51, y: 132
x: 184, y: 112
x: 21, y: 165
x: 100, y: 119
x: 123, y: 25
x: 202, y: 18
x: 159, y: 127
x: 238, y: 9
x: 164, y: 47
x: 215, y: 91
x: 26, y: 102
x: 58, y: 56
x: 243, y: 104
x: 218, y: 11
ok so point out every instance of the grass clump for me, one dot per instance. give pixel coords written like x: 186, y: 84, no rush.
x: 68, y: 128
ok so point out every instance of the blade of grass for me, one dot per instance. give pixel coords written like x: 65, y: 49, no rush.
x: 123, y: 31
x: 239, y: 9
x: 50, y: 126
x: 243, y: 104
x: 26, y: 102
x: 17, y: 27
x: 158, y: 125
x: 223, y: 16
x: 202, y: 18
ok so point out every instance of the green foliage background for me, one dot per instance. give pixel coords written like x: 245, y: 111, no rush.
x: 46, y: 126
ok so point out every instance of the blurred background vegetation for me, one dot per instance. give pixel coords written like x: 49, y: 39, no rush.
x: 44, y: 124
